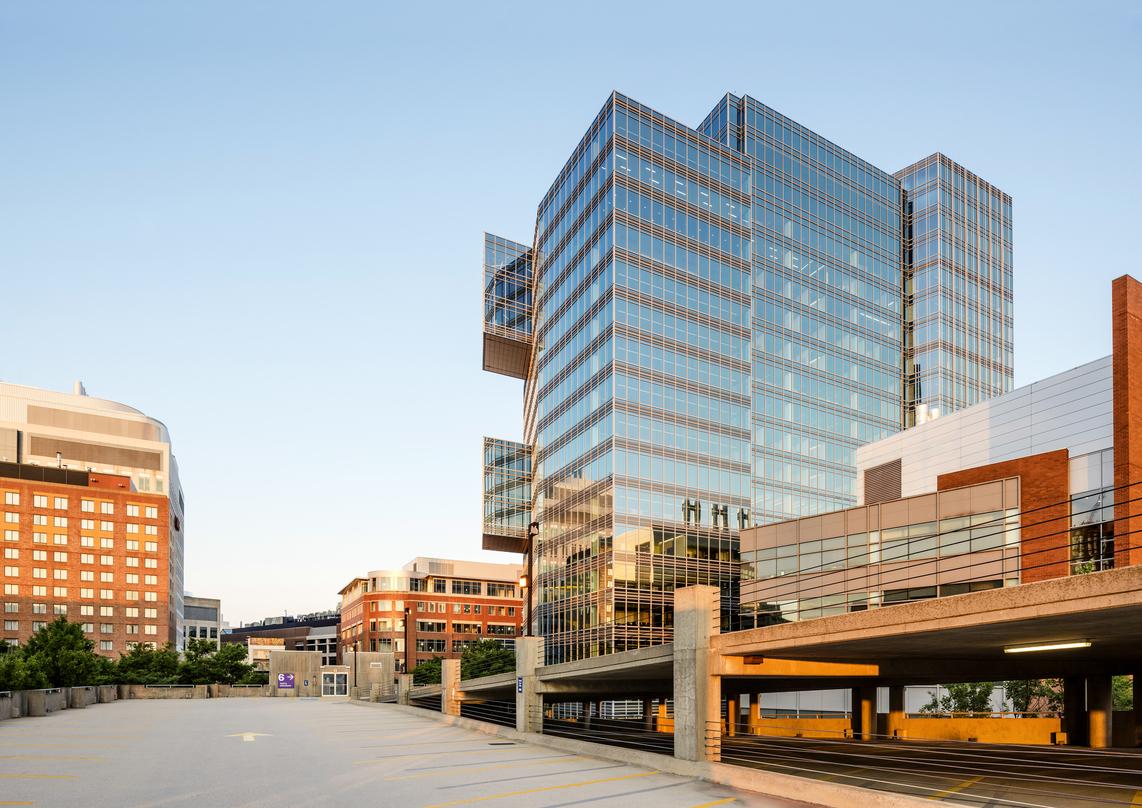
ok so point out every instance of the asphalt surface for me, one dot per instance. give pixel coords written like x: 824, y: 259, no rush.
x: 966, y: 773
x: 291, y: 753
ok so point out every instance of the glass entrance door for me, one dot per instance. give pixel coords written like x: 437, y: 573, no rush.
x: 334, y: 684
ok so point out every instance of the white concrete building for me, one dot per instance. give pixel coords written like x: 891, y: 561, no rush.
x: 1073, y: 410
x: 77, y: 431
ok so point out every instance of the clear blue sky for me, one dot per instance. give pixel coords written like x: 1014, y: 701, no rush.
x: 261, y: 222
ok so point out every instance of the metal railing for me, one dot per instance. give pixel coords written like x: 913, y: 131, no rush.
x: 501, y: 713
x: 583, y: 722
x: 1019, y: 775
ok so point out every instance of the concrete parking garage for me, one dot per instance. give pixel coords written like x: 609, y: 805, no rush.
x: 309, y: 752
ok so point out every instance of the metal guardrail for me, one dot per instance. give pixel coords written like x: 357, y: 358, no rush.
x: 173, y: 687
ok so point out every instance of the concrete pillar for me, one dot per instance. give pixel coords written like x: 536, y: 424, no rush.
x: 1138, y: 709
x: 754, y: 713
x: 388, y: 671
x: 896, y: 714
x: 1074, y: 710
x: 697, y: 690
x: 35, y: 703
x: 648, y: 715
x: 1099, y: 711
x: 864, y: 712
x: 404, y: 684
x: 450, y: 686
x: 732, y: 715
x: 528, y: 700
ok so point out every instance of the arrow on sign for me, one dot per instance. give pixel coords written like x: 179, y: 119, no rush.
x: 248, y: 737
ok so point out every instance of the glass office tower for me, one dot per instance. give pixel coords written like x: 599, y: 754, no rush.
x: 717, y: 321
x: 958, y: 287
x: 826, y: 309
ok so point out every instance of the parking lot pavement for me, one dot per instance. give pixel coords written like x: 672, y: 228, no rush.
x: 309, y: 752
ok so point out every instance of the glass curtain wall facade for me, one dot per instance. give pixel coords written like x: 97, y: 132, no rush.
x: 507, y: 495
x: 958, y: 289
x: 827, y: 328
x: 717, y: 323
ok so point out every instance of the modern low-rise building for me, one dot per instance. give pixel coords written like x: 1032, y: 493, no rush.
x: 1043, y: 482
x: 431, y: 607
x: 307, y: 632
x: 80, y: 433
x: 202, y: 619
x: 86, y: 546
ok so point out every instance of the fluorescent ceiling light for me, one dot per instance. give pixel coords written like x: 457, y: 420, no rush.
x: 1054, y: 646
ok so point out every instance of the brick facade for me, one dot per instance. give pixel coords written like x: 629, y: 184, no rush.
x: 1126, y: 328
x: 376, y: 621
x: 66, y: 552
x: 1044, y: 500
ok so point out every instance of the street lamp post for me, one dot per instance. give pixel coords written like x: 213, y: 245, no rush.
x: 355, y: 642
x: 407, y: 644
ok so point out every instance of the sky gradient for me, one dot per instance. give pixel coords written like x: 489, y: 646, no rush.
x: 262, y: 222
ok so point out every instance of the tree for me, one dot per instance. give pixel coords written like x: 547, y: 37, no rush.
x: 962, y: 697
x: 228, y: 664
x: 143, y: 665
x: 64, y: 655
x: 17, y: 674
x: 485, y: 658
x: 1035, y: 695
x: 1122, y: 690
x: 427, y: 672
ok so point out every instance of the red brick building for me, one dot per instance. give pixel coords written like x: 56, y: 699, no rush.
x: 431, y: 608
x: 86, y: 546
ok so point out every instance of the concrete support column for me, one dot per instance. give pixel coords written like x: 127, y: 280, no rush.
x: 388, y: 671
x: 585, y: 706
x: 648, y: 715
x: 1074, y: 710
x: 404, y: 684
x: 697, y: 690
x: 528, y: 700
x: 754, y: 725
x: 1099, y: 711
x: 1138, y: 709
x: 896, y: 714
x: 732, y: 714
x: 450, y: 686
x: 864, y: 712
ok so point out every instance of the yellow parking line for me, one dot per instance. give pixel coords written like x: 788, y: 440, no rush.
x: 39, y: 777
x: 51, y: 757
x: 434, y: 754
x: 544, y: 762
x: 526, y: 791
x: 971, y: 781
x: 716, y: 802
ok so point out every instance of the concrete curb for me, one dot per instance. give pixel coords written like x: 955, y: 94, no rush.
x: 772, y: 784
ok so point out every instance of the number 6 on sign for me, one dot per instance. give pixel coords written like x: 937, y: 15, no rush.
x: 285, y: 681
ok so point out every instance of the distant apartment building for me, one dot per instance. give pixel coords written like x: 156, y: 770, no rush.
x: 202, y: 619
x: 431, y: 607
x: 1042, y: 482
x: 80, y: 433
x: 306, y: 632
x: 89, y: 547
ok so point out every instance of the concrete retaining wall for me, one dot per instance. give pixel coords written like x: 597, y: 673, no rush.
x: 164, y: 692
x: 984, y: 730
x: 241, y: 692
